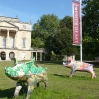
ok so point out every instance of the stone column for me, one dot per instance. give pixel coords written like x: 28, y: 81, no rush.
x: 31, y: 55
x: 73, y: 57
x: 0, y: 39
x: 40, y: 56
x: 7, y: 55
x: 7, y: 43
x: 15, y: 41
x: 36, y: 56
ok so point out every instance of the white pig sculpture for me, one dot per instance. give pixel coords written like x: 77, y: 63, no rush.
x: 80, y: 66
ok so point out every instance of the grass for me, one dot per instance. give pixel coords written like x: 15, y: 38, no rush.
x: 60, y: 86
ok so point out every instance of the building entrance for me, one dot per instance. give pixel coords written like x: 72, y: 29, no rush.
x: 3, y: 56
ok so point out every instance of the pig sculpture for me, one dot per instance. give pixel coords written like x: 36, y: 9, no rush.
x: 26, y: 72
x: 80, y: 66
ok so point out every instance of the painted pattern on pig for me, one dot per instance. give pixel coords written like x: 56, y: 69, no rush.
x: 27, y: 73
x: 80, y: 66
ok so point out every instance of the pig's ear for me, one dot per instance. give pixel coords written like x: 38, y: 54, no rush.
x: 64, y: 63
x: 71, y: 60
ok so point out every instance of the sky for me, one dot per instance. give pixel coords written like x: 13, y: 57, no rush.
x: 32, y: 10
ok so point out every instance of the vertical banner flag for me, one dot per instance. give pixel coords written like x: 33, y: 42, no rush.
x: 76, y: 22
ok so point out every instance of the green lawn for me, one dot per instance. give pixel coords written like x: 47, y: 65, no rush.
x: 80, y: 86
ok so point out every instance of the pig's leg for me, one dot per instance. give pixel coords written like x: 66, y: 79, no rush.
x: 38, y: 84
x: 72, y: 73
x: 17, y: 89
x: 29, y: 92
x: 31, y: 86
x: 91, y: 71
x: 43, y: 77
x: 46, y: 80
x: 92, y: 74
x: 46, y: 84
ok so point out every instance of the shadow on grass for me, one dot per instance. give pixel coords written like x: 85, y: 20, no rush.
x: 73, y: 77
x: 9, y: 93
x: 63, y: 76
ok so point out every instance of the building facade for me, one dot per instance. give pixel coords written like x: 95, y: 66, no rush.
x: 15, y: 40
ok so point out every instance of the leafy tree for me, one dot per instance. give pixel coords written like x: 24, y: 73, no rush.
x: 54, y: 35
x: 90, y: 27
x: 38, y: 43
x: 66, y: 22
x: 62, y: 40
x: 91, y: 18
x: 44, y: 29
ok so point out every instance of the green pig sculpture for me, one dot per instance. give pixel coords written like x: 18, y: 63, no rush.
x: 29, y: 73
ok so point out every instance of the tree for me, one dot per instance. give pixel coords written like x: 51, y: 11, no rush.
x: 66, y: 22
x: 91, y: 18
x: 90, y: 27
x: 62, y: 40
x: 54, y: 35
x: 44, y: 29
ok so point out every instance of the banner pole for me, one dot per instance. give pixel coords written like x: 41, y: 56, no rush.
x: 81, y: 30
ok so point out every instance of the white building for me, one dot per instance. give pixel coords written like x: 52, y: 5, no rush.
x: 15, y: 40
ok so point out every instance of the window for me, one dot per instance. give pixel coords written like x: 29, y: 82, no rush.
x: 4, y: 42
x: 23, y: 42
x: 23, y: 55
x: 11, y: 55
x: 24, y: 26
x: 12, y: 42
